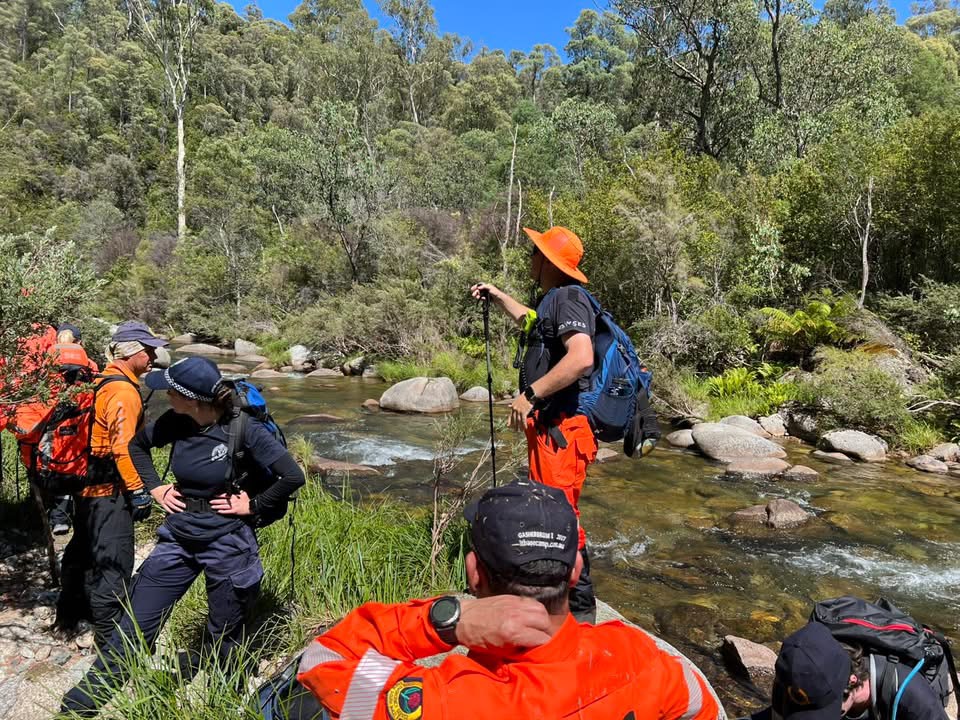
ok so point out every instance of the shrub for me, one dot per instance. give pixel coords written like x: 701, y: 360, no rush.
x: 851, y: 391
x: 799, y: 332
x: 934, y: 316
x: 741, y: 391
x: 464, y: 371
x: 918, y: 436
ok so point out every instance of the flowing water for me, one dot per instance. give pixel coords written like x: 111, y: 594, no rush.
x: 663, y: 551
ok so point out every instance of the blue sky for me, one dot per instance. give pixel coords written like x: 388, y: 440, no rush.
x: 504, y: 24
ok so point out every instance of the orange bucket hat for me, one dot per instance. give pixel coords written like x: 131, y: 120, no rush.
x: 561, y: 247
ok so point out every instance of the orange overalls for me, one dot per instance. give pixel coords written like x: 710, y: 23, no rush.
x: 364, y: 668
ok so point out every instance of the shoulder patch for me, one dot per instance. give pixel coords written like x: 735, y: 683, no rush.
x: 405, y: 699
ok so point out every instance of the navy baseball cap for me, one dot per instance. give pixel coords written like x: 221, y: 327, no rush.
x: 521, y: 522
x: 193, y: 377
x: 811, y: 675
x: 134, y: 330
x: 71, y: 327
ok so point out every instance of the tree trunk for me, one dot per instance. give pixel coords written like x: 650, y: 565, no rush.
x: 865, y: 229
x: 181, y: 177
x: 413, y: 104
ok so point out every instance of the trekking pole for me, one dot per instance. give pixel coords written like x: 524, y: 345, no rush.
x: 485, y: 299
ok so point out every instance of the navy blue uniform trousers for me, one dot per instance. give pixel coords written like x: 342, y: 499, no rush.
x: 231, y: 564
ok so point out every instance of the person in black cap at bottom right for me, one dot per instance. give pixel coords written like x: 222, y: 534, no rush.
x: 818, y: 678
x: 529, y: 658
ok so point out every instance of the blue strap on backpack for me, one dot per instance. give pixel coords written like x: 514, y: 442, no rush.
x: 610, y: 402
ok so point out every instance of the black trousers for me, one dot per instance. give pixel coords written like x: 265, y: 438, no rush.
x: 97, y: 565
x: 233, y: 571
x: 583, y: 601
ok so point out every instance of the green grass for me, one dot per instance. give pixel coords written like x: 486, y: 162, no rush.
x: 918, y: 436
x: 739, y: 391
x: 277, y: 352
x: 464, y: 371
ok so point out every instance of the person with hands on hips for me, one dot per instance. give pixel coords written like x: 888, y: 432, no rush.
x: 555, y: 369
x: 209, y: 527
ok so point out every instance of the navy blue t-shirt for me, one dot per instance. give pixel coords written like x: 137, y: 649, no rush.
x: 199, y: 464
x: 562, y: 311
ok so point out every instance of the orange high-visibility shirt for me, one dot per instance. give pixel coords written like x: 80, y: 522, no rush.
x: 363, y: 669
x: 118, y: 414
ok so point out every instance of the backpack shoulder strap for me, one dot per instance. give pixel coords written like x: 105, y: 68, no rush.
x: 236, y: 432
x: 594, y: 303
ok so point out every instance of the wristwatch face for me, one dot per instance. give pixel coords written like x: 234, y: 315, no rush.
x: 529, y: 394
x: 444, y: 612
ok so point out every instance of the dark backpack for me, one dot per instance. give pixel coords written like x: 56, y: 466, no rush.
x: 247, y: 475
x: 618, y: 376
x: 56, y: 450
x: 282, y: 697
x: 882, y: 629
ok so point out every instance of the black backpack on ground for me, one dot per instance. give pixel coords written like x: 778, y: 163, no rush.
x: 883, y: 630
x: 282, y: 697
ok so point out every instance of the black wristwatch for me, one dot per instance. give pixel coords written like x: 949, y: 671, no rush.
x: 444, y: 616
x: 530, y: 395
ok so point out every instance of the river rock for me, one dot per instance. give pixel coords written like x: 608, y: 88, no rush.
x: 371, y: 372
x: 245, y: 347
x: 774, y: 425
x: 694, y: 622
x: 183, y: 339
x: 475, y: 394
x: 421, y: 394
x: 326, y: 466
x: 267, y: 373
x: 725, y: 442
x: 833, y: 458
x: 353, y: 366
x: 371, y: 405
x: 800, y: 473
x: 204, y: 349
x: 745, y: 423
x: 316, y: 419
x: 162, y: 358
x: 253, y: 358
x: 755, y: 468
x: 681, y: 438
x: 948, y: 452
x: 928, y: 464
x: 299, y: 357
x: 786, y: 514
x: 606, y: 454
x: 779, y: 514
x: 324, y: 373
x: 751, y: 660
x: 802, y: 424
x: 231, y: 368
x: 858, y: 445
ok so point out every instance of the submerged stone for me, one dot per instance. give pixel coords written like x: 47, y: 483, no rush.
x: 928, y: 464
x: 800, y: 473
x: 834, y: 458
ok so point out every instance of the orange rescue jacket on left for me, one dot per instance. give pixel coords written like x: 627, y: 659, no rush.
x: 364, y: 668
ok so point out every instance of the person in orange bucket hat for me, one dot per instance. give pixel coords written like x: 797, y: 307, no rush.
x: 555, y: 368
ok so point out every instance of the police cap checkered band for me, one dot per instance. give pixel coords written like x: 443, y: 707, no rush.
x: 195, y: 377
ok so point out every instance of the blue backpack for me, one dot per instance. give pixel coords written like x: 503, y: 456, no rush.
x: 618, y: 377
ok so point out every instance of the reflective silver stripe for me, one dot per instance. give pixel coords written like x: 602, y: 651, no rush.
x: 694, y: 691
x: 367, y: 683
x: 315, y: 654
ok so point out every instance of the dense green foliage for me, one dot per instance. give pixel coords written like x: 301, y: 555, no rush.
x: 345, y: 183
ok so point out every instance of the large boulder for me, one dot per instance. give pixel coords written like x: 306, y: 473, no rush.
x: 204, y: 349
x: 858, y: 445
x: 755, y: 469
x: 254, y: 358
x: 728, y: 442
x: 475, y: 394
x: 183, y: 339
x: 324, y: 373
x: 774, y: 425
x: 421, y: 394
x: 299, y: 357
x: 802, y: 423
x: 354, y: 366
x: 928, y: 464
x: 745, y: 423
x: 947, y: 452
x: 245, y: 347
x: 681, y: 438
x: 751, y: 660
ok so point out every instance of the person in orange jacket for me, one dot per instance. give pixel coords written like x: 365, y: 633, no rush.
x: 98, y: 561
x: 528, y: 657
x: 555, y: 370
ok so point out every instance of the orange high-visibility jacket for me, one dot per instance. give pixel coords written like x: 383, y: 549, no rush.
x: 363, y: 669
x: 118, y: 414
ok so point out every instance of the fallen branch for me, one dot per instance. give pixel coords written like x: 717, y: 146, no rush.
x: 928, y: 404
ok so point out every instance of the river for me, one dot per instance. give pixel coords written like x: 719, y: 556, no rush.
x: 663, y: 551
